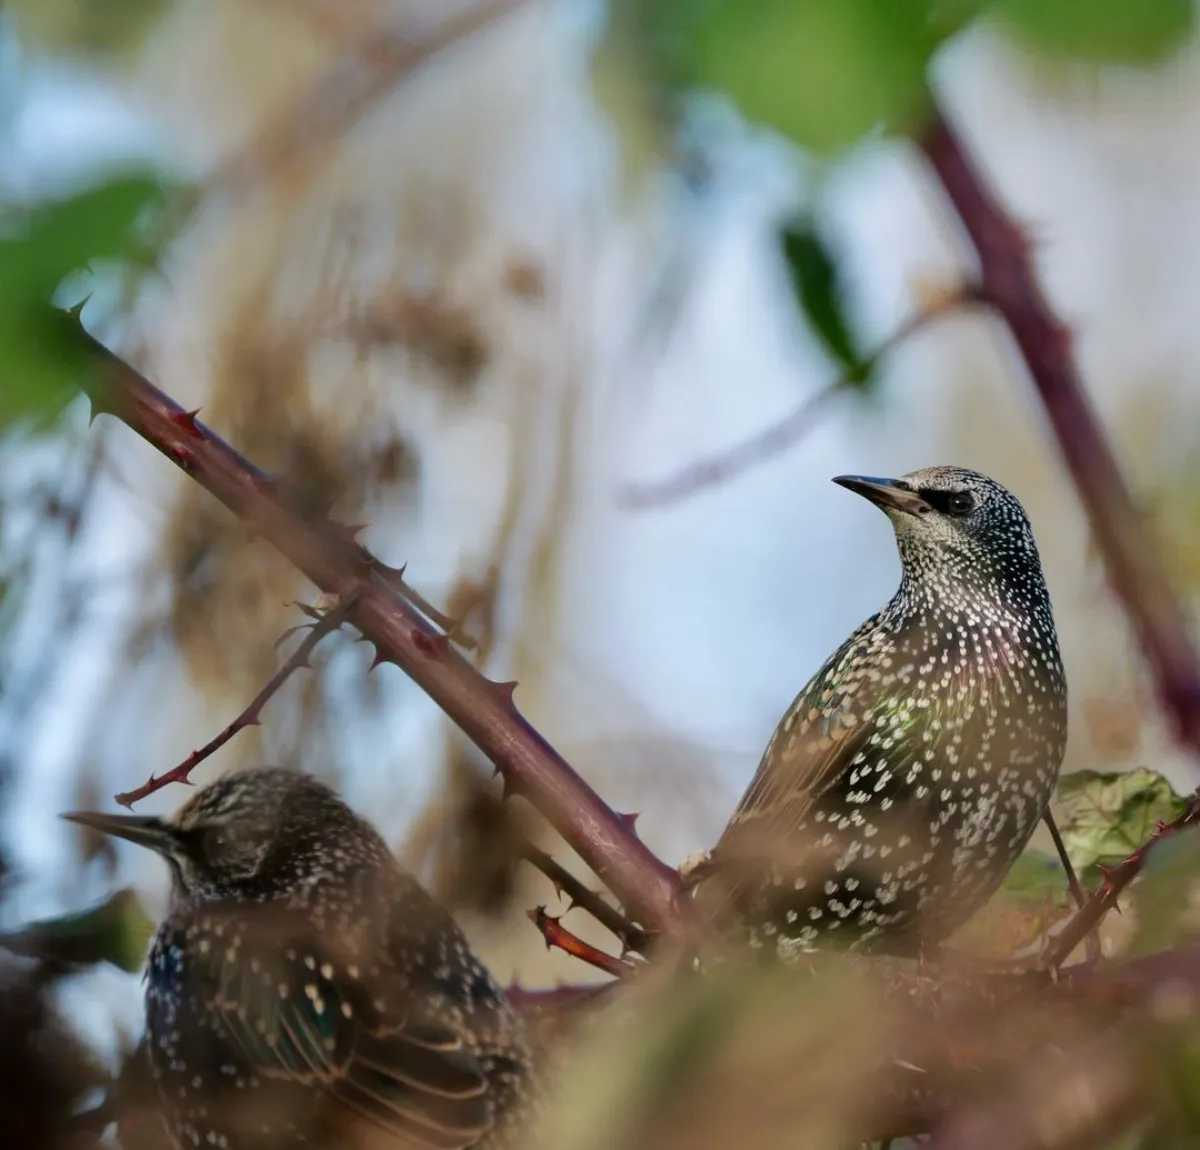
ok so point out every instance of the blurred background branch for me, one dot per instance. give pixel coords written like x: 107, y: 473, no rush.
x: 468, y: 274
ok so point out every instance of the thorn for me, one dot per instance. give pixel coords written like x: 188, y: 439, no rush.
x: 429, y: 644
x: 288, y: 634
x: 183, y: 456
x: 95, y: 408
x: 504, y: 691
x: 75, y: 311
x: 629, y: 821
x: 348, y: 531
x: 186, y: 420
x: 1061, y: 334
x: 379, y: 657
x: 538, y: 916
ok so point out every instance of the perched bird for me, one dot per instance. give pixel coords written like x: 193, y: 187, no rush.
x: 305, y: 991
x: 909, y: 774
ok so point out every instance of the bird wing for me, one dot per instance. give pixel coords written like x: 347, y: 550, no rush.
x: 824, y: 734
x: 824, y: 731
x: 363, y: 1036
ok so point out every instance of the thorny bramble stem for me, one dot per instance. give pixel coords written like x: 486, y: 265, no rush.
x: 484, y: 710
x: 326, y: 623
x: 1007, y: 282
x: 557, y: 935
x: 631, y: 936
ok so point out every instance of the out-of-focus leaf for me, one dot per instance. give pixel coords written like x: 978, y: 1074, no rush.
x: 818, y: 288
x: 625, y: 87
x: 1108, y: 815
x: 1036, y: 878
x: 1167, y: 895
x: 694, y: 1064
x: 825, y: 72
x: 116, y: 931
x: 1120, y: 31
x: 40, y: 354
x: 1033, y: 898
x: 85, y: 26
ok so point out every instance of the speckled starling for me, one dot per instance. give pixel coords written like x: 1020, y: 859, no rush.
x: 910, y: 772
x: 305, y: 991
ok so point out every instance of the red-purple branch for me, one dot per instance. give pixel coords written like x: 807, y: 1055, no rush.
x: 1008, y: 283
x: 336, y: 563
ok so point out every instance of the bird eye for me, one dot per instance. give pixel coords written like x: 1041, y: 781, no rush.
x: 960, y: 503
x: 215, y: 840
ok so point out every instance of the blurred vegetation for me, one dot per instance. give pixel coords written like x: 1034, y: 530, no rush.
x: 687, y: 1063
x: 40, y: 247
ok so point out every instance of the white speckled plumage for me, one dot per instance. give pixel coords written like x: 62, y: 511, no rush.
x: 304, y: 990
x: 912, y: 769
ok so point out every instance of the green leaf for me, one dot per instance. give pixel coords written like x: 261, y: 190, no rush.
x: 1166, y: 893
x: 116, y: 931
x: 1107, y: 816
x: 819, y: 291
x: 1036, y: 879
x: 1118, y: 31
x: 40, y: 354
x: 84, y: 26
x: 824, y: 72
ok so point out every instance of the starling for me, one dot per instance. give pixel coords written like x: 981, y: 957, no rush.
x: 910, y: 772
x: 304, y: 990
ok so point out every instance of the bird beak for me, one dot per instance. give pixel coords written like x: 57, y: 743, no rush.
x: 886, y: 494
x: 146, y: 831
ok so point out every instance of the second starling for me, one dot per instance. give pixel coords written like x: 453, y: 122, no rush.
x: 305, y: 991
x: 908, y: 775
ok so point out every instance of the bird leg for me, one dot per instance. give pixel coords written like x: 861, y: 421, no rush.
x: 1093, y: 938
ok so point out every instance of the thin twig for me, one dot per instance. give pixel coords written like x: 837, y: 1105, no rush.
x: 631, y: 937
x: 1076, y: 887
x: 604, y: 839
x: 784, y: 434
x: 1105, y: 896
x: 557, y: 935
x: 340, y: 97
x: 325, y: 625
x: 1007, y: 282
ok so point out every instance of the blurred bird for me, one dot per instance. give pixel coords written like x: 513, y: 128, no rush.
x: 305, y: 991
x: 908, y: 775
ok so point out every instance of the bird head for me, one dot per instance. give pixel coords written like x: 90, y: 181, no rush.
x: 956, y: 525
x: 241, y: 836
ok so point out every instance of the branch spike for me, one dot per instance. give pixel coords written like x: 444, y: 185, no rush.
x: 96, y: 407
x: 378, y: 658
x: 186, y: 421
x: 431, y: 645
x: 349, y: 531
x: 504, y: 691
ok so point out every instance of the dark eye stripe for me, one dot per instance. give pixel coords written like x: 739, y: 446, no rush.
x: 940, y: 500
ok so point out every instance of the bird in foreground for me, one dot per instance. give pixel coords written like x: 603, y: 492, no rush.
x: 304, y: 990
x: 910, y: 772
